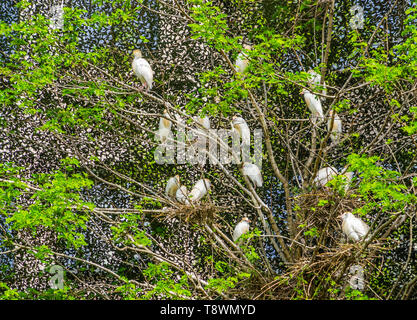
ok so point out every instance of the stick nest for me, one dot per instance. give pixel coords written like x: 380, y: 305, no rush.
x: 199, y: 213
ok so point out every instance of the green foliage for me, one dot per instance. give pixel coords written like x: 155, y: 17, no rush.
x: 55, y: 203
x: 379, y: 187
x: 161, y: 276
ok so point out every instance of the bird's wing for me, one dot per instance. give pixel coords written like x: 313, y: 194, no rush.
x: 317, y: 106
x: 236, y: 232
x: 359, y: 226
x: 164, y: 123
x: 143, y: 68
x: 239, y: 230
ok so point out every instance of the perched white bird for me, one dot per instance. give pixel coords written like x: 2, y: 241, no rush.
x: 252, y: 171
x: 336, y: 129
x: 242, y: 61
x: 324, y: 175
x: 142, y: 70
x: 313, y: 104
x: 353, y: 227
x: 172, y: 186
x: 182, y: 195
x: 164, y: 127
x: 200, y: 189
x: 239, y: 124
x: 241, y: 228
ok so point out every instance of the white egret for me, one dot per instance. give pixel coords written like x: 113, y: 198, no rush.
x: 142, y: 70
x: 242, y: 61
x: 353, y: 227
x: 336, y: 128
x: 241, y: 228
x: 182, y: 195
x: 313, y: 104
x: 253, y: 172
x: 164, y: 127
x: 200, y: 189
x: 172, y: 186
x: 239, y: 124
x: 324, y: 175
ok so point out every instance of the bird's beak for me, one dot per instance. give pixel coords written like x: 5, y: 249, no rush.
x: 340, y: 217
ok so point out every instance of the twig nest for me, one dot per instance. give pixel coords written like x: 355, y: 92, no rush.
x: 199, y: 213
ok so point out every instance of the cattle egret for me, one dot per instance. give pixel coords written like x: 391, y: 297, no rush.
x: 142, y: 70
x: 241, y: 228
x: 336, y: 128
x: 172, y: 186
x: 200, y: 189
x: 353, y: 227
x: 324, y: 175
x: 182, y: 195
x: 164, y: 127
x: 239, y: 124
x: 242, y: 61
x: 313, y: 104
x: 252, y: 171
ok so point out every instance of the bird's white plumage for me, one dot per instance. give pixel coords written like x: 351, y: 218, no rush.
x: 164, y: 127
x: 253, y: 172
x: 353, y: 227
x: 242, y: 61
x: 142, y: 70
x: 172, y: 186
x: 314, y: 105
x: 240, y: 126
x: 324, y: 175
x: 241, y: 228
x: 182, y: 195
x: 163, y: 134
x: 336, y: 128
x: 200, y: 189
x: 164, y: 122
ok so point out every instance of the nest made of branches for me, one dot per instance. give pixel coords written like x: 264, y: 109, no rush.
x: 198, y: 213
x: 323, y: 207
x: 331, y: 267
